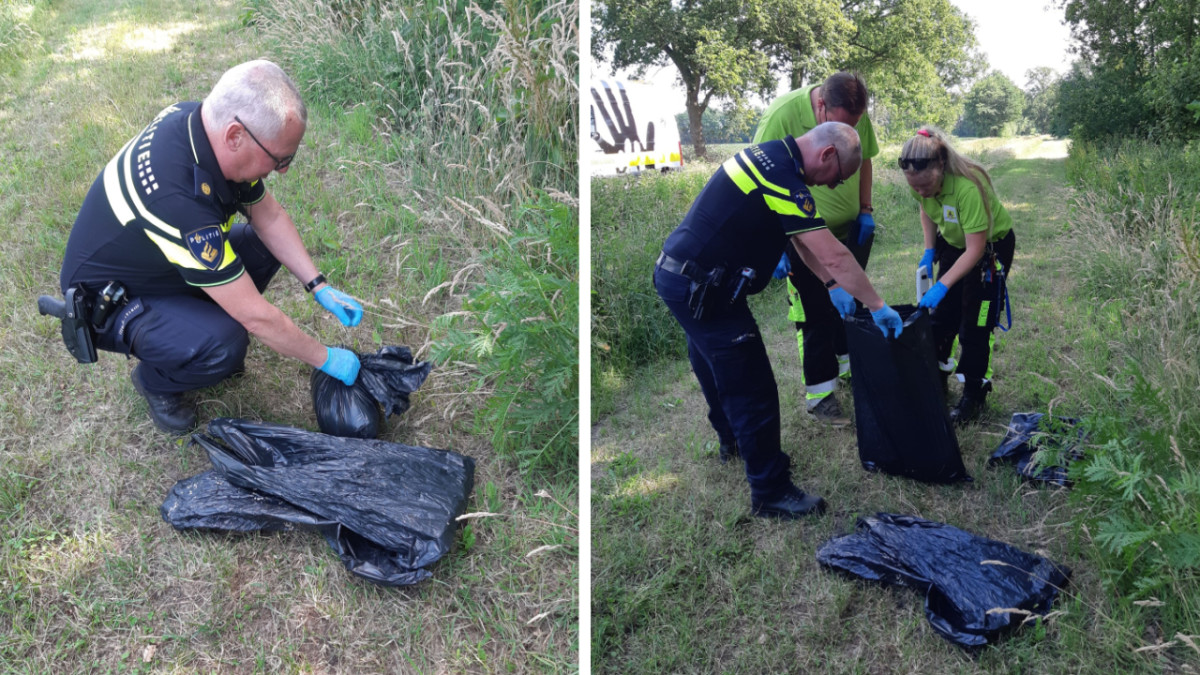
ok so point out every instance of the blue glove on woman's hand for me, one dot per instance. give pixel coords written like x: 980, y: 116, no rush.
x: 843, y: 302
x: 888, y: 320
x: 927, y: 262
x: 341, y: 364
x: 933, y: 296
x: 344, y: 307
x: 783, y: 268
x: 866, y: 227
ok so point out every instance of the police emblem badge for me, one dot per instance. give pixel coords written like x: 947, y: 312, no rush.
x: 207, y: 246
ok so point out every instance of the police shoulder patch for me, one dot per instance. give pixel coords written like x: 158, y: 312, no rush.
x: 807, y: 205
x: 207, y: 246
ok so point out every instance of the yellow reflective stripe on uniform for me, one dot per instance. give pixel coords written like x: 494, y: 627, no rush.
x: 991, y: 347
x: 229, y: 257
x: 137, y: 201
x: 759, y: 177
x: 112, y: 188
x: 176, y: 253
x: 785, y: 207
x: 738, y: 175
x: 984, y: 309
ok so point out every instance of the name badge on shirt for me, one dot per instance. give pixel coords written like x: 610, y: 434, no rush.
x: 207, y: 246
x: 949, y: 213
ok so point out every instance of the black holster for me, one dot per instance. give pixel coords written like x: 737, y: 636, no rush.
x: 75, y: 315
x: 699, y: 296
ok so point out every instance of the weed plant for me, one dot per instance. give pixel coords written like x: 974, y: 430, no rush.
x: 1135, y: 230
x: 474, y: 103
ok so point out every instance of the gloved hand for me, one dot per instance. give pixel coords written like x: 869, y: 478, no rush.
x: 888, y: 320
x: 927, y: 262
x: 783, y: 268
x: 843, y: 302
x: 866, y: 227
x: 341, y: 364
x: 344, y: 307
x: 933, y: 296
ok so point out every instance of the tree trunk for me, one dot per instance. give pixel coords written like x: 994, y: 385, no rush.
x: 695, y: 120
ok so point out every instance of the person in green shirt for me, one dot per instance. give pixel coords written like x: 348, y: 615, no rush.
x: 969, y: 234
x: 846, y: 208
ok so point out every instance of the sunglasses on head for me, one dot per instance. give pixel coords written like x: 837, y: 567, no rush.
x: 913, y: 164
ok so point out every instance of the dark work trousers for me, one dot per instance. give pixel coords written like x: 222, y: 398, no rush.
x: 971, y: 309
x: 184, y: 341
x: 823, y: 332
x: 730, y: 361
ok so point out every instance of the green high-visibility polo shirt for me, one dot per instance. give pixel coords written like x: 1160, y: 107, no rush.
x: 957, y: 210
x: 792, y: 115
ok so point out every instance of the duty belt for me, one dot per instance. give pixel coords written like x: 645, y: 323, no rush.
x: 685, y: 268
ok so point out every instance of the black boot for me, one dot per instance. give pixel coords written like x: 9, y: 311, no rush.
x: 168, y: 411
x: 789, y: 505
x: 972, y: 403
x: 728, y: 451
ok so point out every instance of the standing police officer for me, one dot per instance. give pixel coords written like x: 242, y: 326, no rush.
x: 159, y: 222
x: 722, y: 252
x: 847, y: 211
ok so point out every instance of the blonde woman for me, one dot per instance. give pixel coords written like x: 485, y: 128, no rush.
x: 968, y: 233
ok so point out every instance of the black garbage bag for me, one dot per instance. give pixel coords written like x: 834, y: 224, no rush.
x: 1030, y: 433
x: 384, y: 382
x: 963, y: 575
x: 899, y: 410
x: 387, y: 509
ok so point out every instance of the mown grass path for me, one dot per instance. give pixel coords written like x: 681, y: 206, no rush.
x: 91, y: 578
x: 685, y: 580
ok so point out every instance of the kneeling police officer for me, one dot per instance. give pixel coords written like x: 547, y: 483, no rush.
x: 168, y: 275
x: 725, y: 249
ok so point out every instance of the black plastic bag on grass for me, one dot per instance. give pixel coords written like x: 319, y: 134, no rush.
x: 387, y: 509
x: 1027, y: 434
x: 899, y: 409
x: 384, y: 382
x: 964, y: 577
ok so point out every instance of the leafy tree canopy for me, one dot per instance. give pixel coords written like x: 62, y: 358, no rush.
x: 993, y: 106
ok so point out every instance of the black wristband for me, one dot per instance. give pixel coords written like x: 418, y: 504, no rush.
x: 831, y: 283
x: 317, y: 281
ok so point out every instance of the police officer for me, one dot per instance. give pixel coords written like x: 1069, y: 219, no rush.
x: 160, y: 221
x: 757, y: 203
x: 969, y: 234
x: 847, y: 210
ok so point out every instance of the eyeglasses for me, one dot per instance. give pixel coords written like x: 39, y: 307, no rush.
x: 913, y: 164
x: 840, y: 180
x: 280, y: 164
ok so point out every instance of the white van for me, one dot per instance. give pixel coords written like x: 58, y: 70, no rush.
x: 632, y: 130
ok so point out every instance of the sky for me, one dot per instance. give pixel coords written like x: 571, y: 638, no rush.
x: 1016, y: 35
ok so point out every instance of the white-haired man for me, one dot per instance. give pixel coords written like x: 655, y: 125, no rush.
x: 157, y: 229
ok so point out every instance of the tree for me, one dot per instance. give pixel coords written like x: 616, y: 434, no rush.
x: 1041, y: 100
x: 993, y: 104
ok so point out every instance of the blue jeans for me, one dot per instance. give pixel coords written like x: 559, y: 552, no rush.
x: 730, y: 361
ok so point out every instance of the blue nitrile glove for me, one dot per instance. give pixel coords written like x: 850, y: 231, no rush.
x: 933, y: 296
x: 866, y: 227
x: 887, y: 319
x: 927, y: 262
x: 843, y: 302
x: 341, y: 364
x: 344, y: 307
x: 783, y: 268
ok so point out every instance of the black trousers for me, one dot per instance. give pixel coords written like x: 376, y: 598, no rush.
x: 184, y: 341
x: 822, y: 330
x: 971, y: 309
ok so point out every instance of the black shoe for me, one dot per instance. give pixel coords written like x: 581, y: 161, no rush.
x: 792, y: 504
x: 829, y: 411
x: 728, y: 451
x: 168, y: 411
x: 972, y: 404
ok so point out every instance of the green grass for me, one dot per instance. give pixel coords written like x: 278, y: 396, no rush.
x: 91, y: 578
x: 686, y: 580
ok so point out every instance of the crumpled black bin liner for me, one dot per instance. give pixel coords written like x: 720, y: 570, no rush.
x: 385, y: 380
x: 1030, y: 432
x: 387, y: 509
x: 948, y: 565
x: 900, y: 413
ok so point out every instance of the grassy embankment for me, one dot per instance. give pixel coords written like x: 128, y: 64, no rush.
x: 91, y: 578
x: 685, y: 580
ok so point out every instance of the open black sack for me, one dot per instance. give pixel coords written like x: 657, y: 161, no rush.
x: 387, y: 509
x: 384, y: 382
x: 1027, y: 434
x: 963, y: 575
x: 899, y: 410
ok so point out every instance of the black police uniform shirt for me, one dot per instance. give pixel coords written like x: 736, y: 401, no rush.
x: 157, y: 218
x: 747, y: 211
